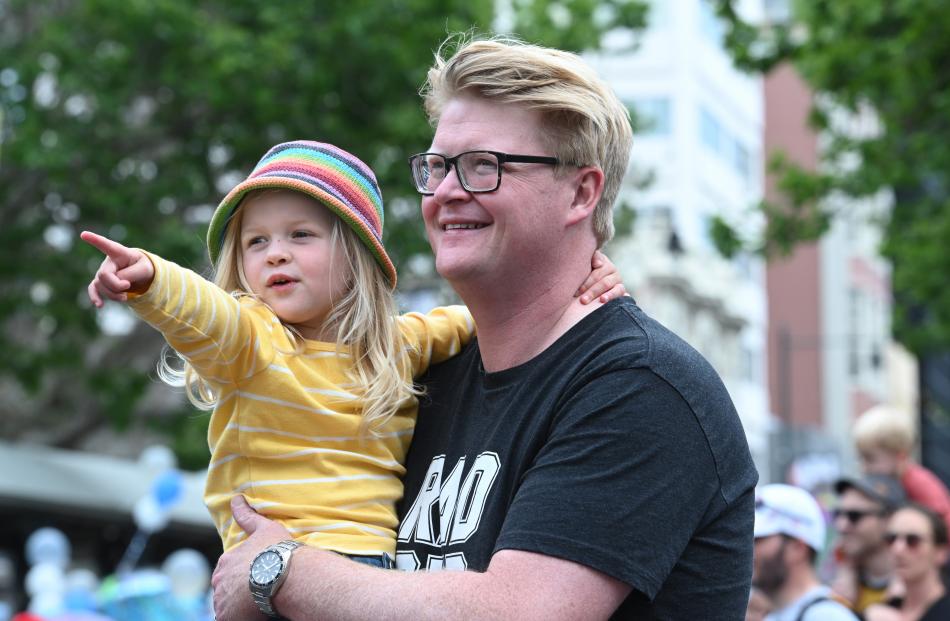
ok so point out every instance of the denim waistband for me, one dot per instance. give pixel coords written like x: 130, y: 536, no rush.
x: 383, y: 560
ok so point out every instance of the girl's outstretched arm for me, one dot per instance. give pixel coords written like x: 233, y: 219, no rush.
x: 123, y: 271
x: 603, y: 283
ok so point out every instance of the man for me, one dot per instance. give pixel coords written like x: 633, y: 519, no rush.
x: 865, y: 564
x: 577, y: 464
x: 789, y: 534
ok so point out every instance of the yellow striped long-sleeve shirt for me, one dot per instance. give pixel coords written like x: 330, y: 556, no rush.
x: 286, y: 429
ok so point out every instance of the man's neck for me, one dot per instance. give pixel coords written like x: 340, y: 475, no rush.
x: 518, y: 323
x: 877, y: 567
x: 798, y: 583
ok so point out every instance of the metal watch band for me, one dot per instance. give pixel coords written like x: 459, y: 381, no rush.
x: 263, y: 598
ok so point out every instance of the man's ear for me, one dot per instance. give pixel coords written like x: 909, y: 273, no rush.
x: 941, y: 555
x: 588, y: 187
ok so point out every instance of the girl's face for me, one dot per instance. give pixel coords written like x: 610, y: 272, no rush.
x: 289, y: 260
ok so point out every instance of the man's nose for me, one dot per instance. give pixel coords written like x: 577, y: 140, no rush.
x: 450, y: 188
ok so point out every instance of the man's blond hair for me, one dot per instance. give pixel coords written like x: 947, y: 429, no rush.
x: 585, y: 122
x: 883, y: 427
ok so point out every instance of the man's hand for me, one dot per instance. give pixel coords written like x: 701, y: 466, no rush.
x: 123, y: 271
x: 229, y: 582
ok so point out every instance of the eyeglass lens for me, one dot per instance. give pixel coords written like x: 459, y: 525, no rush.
x: 911, y: 539
x: 477, y: 170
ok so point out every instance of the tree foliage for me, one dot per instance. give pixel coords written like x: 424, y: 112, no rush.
x: 133, y: 118
x: 889, y: 59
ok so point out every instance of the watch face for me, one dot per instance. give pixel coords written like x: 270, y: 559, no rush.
x: 266, y: 567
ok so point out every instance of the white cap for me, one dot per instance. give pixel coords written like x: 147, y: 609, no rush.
x: 789, y: 510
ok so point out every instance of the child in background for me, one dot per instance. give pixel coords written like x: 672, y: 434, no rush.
x: 297, y: 349
x: 884, y: 438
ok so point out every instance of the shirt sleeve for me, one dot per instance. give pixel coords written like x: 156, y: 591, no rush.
x: 623, y: 481
x: 435, y: 336
x: 219, y: 335
x: 829, y: 611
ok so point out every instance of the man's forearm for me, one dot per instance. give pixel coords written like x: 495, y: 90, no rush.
x: 323, y: 585
x: 520, y: 585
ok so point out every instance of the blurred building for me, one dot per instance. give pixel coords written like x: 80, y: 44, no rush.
x: 831, y: 355
x: 698, y: 142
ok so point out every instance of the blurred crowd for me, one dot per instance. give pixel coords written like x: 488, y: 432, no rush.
x: 877, y: 552
x: 61, y: 590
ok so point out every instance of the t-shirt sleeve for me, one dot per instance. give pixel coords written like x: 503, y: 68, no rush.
x: 435, y: 336
x: 621, y: 483
x: 223, y: 339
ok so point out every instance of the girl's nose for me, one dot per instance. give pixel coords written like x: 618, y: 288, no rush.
x: 276, y: 253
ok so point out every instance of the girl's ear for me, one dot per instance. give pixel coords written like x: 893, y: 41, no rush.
x: 589, y: 185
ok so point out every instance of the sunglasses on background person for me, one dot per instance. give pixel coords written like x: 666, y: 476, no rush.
x: 854, y: 515
x: 912, y: 540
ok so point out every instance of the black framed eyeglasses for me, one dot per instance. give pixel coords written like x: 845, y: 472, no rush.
x: 854, y: 515
x: 477, y: 171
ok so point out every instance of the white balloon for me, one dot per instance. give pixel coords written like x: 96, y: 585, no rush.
x: 47, y: 545
x: 45, y: 578
x: 46, y: 605
x: 148, y: 516
x: 188, y: 572
x: 158, y: 457
x: 82, y: 579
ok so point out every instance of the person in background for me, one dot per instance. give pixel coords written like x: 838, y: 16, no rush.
x: 789, y: 535
x: 885, y: 440
x: 759, y: 605
x: 864, y: 565
x: 917, y: 537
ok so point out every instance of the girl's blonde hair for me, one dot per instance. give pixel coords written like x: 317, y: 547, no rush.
x: 363, y: 318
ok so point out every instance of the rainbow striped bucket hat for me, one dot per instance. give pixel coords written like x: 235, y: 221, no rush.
x: 326, y: 173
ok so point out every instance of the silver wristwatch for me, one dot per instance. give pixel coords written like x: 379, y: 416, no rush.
x: 268, y: 571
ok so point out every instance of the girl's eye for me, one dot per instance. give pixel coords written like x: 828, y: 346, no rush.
x: 298, y: 234
x: 253, y: 241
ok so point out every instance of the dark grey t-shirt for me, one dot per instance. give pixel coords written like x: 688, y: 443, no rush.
x: 618, y: 448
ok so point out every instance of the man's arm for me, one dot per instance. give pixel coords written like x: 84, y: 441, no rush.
x: 324, y: 585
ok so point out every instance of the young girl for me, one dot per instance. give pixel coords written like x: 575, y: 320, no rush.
x: 296, y: 349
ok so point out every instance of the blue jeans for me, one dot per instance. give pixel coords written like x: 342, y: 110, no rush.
x: 383, y: 561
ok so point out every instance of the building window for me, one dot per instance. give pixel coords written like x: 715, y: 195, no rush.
x: 652, y: 116
x: 709, y: 24
x: 710, y: 131
x: 740, y: 159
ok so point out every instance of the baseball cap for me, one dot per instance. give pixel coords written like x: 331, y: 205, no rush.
x: 782, y: 509
x: 878, y: 487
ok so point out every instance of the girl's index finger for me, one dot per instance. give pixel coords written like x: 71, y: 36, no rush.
x: 112, y: 249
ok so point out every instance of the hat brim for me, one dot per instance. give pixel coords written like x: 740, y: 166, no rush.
x: 867, y: 489
x: 222, y: 216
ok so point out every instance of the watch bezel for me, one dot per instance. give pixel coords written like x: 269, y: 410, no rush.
x: 280, y: 569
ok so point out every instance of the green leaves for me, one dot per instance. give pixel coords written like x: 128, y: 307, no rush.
x: 134, y: 117
x: 886, y: 63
